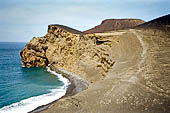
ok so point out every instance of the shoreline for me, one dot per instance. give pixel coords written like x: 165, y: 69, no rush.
x: 76, y: 85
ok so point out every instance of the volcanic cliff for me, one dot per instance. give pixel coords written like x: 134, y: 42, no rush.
x: 115, y: 24
x: 69, y: 49
x: 127, y: 70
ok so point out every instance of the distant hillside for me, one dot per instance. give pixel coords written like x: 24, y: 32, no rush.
x: 68, y: 29
x: 158, y: 23
x: 115, y: 24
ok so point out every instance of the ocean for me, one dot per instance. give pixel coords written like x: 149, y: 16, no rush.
x: 24, y: 89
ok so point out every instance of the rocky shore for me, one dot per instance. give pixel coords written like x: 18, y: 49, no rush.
x: 127, y: 70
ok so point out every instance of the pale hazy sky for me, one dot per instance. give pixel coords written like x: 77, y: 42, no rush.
x: 20, y: 20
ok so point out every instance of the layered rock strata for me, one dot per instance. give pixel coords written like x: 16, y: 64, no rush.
x: 70, y: 50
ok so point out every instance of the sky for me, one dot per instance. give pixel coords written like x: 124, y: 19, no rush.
x: 20, y: 20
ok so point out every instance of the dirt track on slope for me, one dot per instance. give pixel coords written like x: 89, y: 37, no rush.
x: 138, y: 82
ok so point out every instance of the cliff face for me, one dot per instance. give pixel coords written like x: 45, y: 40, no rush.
x: 115, y: 24
x: 69, y: 49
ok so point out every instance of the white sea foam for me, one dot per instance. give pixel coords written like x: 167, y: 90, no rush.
x: 30, y: 104
x: 61, y: 78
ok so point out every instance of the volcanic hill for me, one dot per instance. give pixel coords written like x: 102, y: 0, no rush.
x: 115, y: 24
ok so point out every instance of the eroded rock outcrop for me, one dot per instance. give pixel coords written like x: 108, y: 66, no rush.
x: 69, y: 49
x: 34, y: 55
x: 115, y: 24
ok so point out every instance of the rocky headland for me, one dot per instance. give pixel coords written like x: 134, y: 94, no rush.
x: 124, y: 71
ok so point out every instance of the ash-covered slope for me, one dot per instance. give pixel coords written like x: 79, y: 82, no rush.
x: 162, y: 23
x: 128, y: 70
x: 115, y: 24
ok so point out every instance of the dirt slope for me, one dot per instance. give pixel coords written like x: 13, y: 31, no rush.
x: 137, y: 83
x: 161, y: 23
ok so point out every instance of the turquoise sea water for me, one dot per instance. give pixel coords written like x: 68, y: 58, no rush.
x: 24, y: 89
